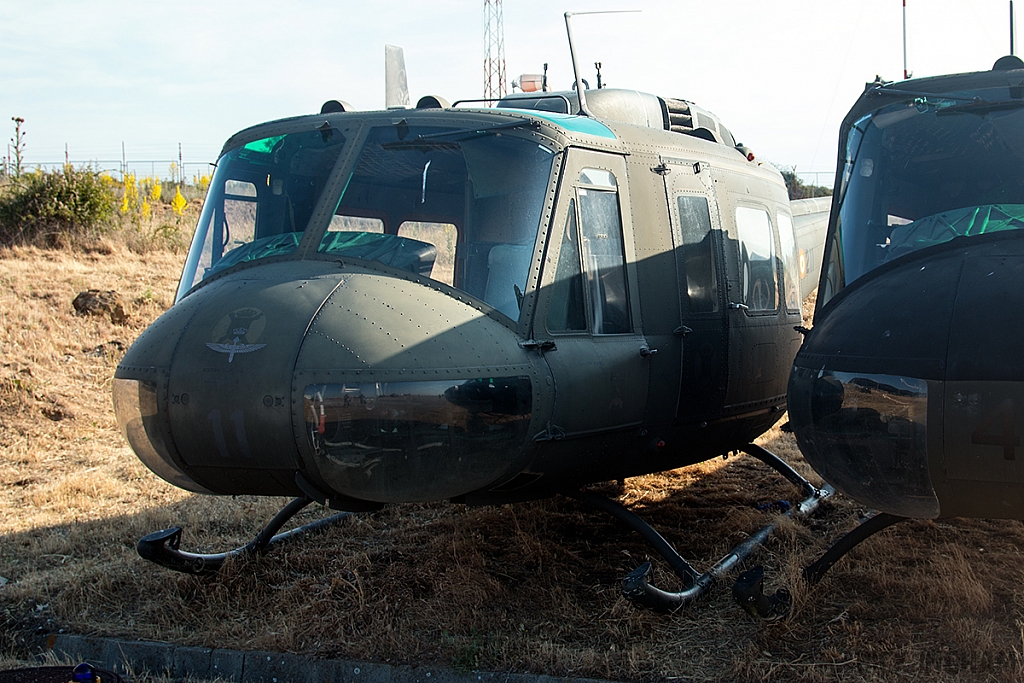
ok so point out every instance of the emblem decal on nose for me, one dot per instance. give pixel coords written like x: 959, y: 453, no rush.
x: 237, y: 331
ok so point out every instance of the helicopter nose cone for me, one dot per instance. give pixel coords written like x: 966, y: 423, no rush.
x: 866, y: 434
x: 217, y: 370
x: 409, y: 394
x: 139, y: 388
x: 350, y: 383
x: 865, y: 385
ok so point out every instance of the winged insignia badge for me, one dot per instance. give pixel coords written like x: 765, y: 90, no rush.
x: 234, y: 347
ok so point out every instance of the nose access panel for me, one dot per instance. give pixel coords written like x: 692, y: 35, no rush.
x: 229, y: 391
x: 984, y: 390
x: 409, y: 394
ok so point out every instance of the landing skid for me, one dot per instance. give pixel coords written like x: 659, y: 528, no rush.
x: 636, y: 586
x: 162, y: 546
x: 748, y: 590
x: 814, y: 572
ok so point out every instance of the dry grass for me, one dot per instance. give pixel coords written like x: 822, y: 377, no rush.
x: 531, y: 587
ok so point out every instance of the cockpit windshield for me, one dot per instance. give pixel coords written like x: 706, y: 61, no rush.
x: 458, y: 205
x: 924, y: 171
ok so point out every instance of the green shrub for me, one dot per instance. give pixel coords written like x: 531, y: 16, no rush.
x: 56, y: 207
x: 798, y: 189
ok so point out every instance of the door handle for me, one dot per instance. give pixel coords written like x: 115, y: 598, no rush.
x: 540, y: 346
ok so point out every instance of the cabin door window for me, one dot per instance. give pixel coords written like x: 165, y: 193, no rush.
x: 697, y: 242
x: 698, y: 253
x: 757, y: 259
x: 790, y: 264
x: 590, y: 272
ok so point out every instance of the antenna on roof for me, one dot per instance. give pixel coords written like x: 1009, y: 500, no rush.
x: 1013, y: 30
x: 906, y: 74
x: 580, y: 87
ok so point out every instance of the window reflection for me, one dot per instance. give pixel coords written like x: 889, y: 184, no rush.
x: 868, y: 433
x: 566, y: 310
x: 757, y: 258
x: 698, y: 253
x: 603, y: 256
x: 790, y: 263
x: 372, y: 437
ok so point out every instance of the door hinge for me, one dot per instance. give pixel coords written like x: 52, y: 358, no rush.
x: 551, y: 433
x: 661, y: 169
x: 682, y: 331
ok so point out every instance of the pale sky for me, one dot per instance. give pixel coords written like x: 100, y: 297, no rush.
x: 780, y: 74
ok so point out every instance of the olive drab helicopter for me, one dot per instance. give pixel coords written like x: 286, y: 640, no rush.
x: 482, y: 304
x: 908, y: 393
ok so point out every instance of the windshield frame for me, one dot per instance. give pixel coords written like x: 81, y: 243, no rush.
x: 966, y: 97
x: 357, y: 127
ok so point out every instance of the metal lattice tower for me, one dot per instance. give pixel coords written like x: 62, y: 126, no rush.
x: 494, y: 50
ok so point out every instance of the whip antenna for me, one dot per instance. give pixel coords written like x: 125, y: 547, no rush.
x: 583, y: 111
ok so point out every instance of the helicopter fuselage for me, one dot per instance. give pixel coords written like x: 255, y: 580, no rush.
x: 476, y: 305
x: 907, y: 395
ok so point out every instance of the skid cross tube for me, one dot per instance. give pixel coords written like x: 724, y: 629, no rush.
x: 636, y: 586
x: 162, y: 546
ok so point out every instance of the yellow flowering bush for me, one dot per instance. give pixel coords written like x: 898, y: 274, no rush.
x: 152, y: 188
x: 179, y: 203
x: 130, y: 198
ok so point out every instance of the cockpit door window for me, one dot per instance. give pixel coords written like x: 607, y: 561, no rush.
x: 601, y: 246
x: 599, y: 361
x: 567, y: 308
x: 590, y: 274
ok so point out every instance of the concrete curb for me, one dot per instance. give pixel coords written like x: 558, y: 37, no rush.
x: 180, y: 662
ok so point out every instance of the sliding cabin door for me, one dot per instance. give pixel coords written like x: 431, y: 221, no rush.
x: 697, y: 242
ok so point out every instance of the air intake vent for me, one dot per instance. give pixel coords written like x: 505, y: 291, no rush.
x: 679, y: 118
x: 687, y: 118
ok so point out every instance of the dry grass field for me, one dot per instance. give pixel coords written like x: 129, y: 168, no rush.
x: 530, y: 587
